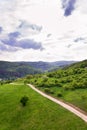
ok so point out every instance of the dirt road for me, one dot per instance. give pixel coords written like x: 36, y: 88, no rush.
x: 70, y: 108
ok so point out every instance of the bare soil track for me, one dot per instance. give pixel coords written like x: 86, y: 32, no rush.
x: 77, y: 112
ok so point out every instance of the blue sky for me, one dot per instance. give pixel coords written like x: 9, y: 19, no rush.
x: 43, y: 30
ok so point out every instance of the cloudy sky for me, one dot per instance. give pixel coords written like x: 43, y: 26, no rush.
x: 43, y: 30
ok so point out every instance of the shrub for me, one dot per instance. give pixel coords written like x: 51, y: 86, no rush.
x: 84, y: 84
x: 24, y: 100
x: 51, y: 92
x: 47, y: 90
x: 59, y: 84
x: 59, y: 94
x: 66, y: 87
x: 42, y: 84
x: 29, y: 76
x: 50, y: 75
x: 74, y: 85
x: 69, y: 87
x: 1, y: 83
x: 45, y: 78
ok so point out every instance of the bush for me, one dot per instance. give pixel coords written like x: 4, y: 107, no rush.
x: 47, y: 90
x: 1, y: 83
x: 45, y: 78
x: 51, y: 92
x: 84, y: 84
x: 24, y: 100
x: 59, y: 94
x: 42, y: 84
x: 59, y: 84
x: 66, y: 87
x: 71, y: 86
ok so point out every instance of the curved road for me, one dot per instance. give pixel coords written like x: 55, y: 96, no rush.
x: 68, y: 107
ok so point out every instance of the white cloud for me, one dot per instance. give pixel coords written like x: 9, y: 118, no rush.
x: 49, y: 15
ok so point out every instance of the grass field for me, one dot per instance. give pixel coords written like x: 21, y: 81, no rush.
x: 39, y: 114
x: 77, y: 97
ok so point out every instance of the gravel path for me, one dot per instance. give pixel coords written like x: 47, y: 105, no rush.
x: 68, y: 107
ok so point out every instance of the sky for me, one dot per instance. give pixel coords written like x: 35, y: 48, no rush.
x: 43, y: 30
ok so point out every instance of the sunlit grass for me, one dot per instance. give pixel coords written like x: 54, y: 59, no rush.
x: 39, y: 113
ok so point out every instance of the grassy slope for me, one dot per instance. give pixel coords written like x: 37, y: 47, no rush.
x: 71, y: 82
x: 39, y: 114
x: 77, y: 97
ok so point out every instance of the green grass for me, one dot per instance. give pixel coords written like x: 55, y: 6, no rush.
x: 76, y: 97
x: 39, y: 114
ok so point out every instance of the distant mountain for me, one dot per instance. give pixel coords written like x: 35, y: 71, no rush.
x: 12, y: 70
x: 47, y: 66
x: 61, y: 64
x: 80, y: 64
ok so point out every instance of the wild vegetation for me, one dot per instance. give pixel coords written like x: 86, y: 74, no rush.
x: 69, y: 83
x: 22, y: 108
x: 39, y: 113
x: 24, y: 100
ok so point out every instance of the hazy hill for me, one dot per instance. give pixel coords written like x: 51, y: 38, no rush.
x: 19, y: 69
x: 47, y: 66
x: 11, y: 70
x: 81, y: 64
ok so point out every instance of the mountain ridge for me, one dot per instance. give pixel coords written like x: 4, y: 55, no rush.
x: 20, y: 69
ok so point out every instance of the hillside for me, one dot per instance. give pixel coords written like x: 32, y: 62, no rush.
x: 68, y: 83
x: 71, y: 73
x: 48, y: 66
x: 81, y: 64
x: 12, y: 70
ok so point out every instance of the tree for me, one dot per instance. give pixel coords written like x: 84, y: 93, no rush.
x: 24, y: 100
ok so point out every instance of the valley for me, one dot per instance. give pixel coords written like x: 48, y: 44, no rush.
x: 67, y: 84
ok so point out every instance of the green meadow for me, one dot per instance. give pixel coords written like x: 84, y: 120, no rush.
x: 77, y: 97
x: 68, y: 84
x: 39, y: 113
